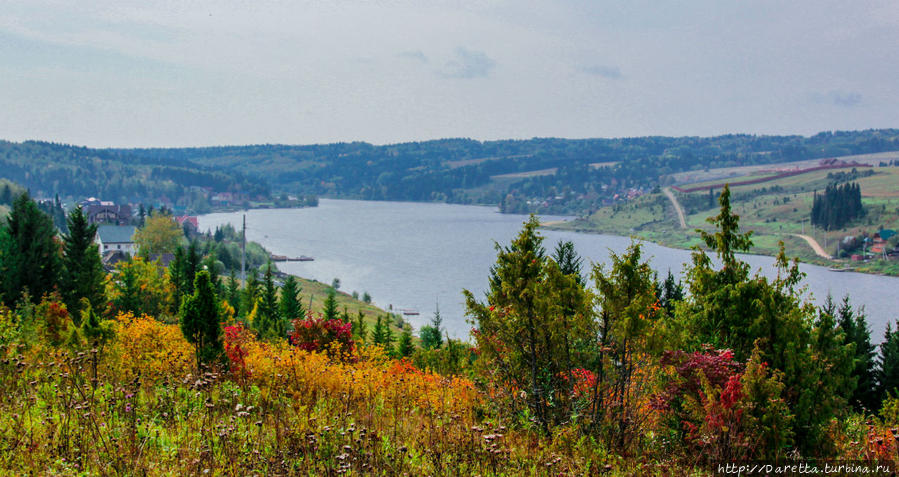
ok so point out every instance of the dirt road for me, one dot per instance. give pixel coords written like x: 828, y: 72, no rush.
x: 680, y: 212
x: 819, y: 250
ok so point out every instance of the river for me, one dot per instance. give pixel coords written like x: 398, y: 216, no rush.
x: 417, y: 256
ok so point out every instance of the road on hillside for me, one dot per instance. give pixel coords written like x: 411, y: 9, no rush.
x: 819, y: 250
x: 677, y: 207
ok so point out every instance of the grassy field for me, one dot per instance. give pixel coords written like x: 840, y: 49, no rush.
x: 314, y: 292
x: 772, y: 210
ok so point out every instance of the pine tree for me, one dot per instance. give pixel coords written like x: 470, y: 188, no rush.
x: 82, y: 271
x: 29, y: 253
x: 330, y: 306
x: 200, y: 324
x: 404, y: 346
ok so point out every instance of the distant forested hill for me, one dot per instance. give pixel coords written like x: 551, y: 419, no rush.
x: 543, y: 174
x: 48, y: 169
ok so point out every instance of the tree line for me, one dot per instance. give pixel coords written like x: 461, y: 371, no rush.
x: 837, y: 206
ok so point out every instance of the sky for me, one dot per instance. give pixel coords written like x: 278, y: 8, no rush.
x: 192, y: 73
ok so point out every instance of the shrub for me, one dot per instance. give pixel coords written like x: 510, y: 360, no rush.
x: 320, y: 334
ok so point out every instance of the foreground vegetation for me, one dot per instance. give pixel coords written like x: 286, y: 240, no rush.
x: 176, y: 371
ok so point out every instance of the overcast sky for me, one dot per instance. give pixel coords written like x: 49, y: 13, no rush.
x: 183, y: 73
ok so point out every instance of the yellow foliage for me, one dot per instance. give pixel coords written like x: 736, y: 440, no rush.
x: 152, y: 349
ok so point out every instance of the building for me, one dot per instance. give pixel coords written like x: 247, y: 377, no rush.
x: 189, y: 224
x: 104, y: 212
x: 116, y: 238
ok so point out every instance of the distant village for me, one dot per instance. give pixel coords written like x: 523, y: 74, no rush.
x: 116, y: 225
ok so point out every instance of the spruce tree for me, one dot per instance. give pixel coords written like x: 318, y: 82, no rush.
x: 569, y: 261
x: 82, y: 271
x: 431, y: 336
x: 329, y: 310
x: 404, y: 346
x: 290, y: 306
x: 670, y: 292
x: 388, y: 337
x: 888, y: 364
x: 857, y: 333
x: 360, y: 327
x: 268, y: 322
x: 378, y: 334
x: 29, y: 253
x: 200, y: 320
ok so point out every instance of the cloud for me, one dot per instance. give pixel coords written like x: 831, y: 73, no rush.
x: 839, y: 98
x: 605, y: 71
x: 415, y: 55
x: 468, y: 64
x: 845, y: 99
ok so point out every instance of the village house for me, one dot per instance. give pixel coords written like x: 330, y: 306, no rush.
x: 118, y: 238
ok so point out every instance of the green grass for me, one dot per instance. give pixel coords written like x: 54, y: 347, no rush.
x: 316, y: 292
x: 771, y: 215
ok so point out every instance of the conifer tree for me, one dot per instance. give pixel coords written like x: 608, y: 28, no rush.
x: 291, y: 308
x: 670, y: 292
x: 82, y: 271
x: 250, y: 292
x: 268, y: 322
x: 360, y: 327
x: 329, y: 310
x: 200, y: 315
x: 388, y: 337
x: 431, y: 336
x: 888, y: 364
x: 856, y: 332
x: 234, y: 294
x: 29, y: 253
x: 404, y: 346
x: 378, y: 334
x: 528, y: 327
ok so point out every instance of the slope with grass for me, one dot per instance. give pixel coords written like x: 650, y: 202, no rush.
x: 776, y: 210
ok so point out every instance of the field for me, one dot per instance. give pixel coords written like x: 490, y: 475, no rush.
x: 773, y: 210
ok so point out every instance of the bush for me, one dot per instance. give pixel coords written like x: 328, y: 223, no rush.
x: 318, y: 334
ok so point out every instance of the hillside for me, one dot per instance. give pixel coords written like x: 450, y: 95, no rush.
x: 775, y: 210
x: 71, y: 172
x: 542, y: 174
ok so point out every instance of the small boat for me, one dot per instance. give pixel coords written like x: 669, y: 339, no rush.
x: 837, y: 269
x: 410, y: 312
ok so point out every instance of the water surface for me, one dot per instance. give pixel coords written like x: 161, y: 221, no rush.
x: 414, y: 256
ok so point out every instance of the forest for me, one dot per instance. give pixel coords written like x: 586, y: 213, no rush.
x: 580, y: 174
x: 51, y: 170
x: 573, y: 369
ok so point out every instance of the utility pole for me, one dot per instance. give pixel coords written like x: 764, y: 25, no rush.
x: 243, y: 251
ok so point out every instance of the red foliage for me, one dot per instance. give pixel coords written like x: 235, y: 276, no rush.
x: 236, y: 338
x: 317, y: 334
x: 584, y: 381
x: 718, y: 366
